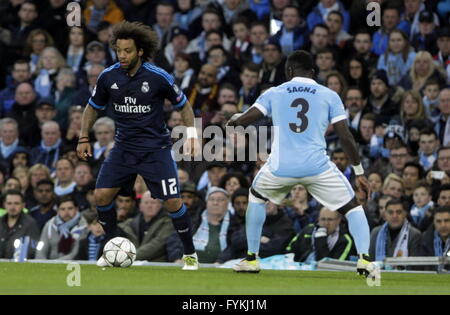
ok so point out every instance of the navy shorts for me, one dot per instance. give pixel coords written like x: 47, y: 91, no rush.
x: 158, y: 169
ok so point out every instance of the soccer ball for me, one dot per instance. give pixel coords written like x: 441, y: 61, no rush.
x: 119, y: 252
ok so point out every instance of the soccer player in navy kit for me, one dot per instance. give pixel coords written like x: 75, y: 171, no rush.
x: 136, y: 90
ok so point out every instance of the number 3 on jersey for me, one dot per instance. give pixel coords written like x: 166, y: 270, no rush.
x: 172, y: 186
x: 301, y: 115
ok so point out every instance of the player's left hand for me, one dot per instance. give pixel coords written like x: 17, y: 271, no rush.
x: 363, y: 184
x: 191, y: 147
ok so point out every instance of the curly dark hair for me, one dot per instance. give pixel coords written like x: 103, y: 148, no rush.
x: 144, y: 37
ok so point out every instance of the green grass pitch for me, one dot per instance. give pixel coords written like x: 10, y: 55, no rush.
x: 31, y: 278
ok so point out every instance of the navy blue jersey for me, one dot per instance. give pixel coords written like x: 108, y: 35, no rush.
x: 137, y: 105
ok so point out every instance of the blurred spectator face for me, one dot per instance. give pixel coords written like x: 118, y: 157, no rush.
x: 104, y: 134
x: 319, y: 38
x: 428, y: 144
x: 396, y: 42
x: 45, y: 113
x: 444, y: 102
x: 290, y: 18
x: 240, y: 31
x: 444, y: 198
x: 181, y: 65
x: 410, y: 106
x: 442, y: 224
x: 444, y: 45
x: 21, y: 72
x: 217, y: 204
x: 258, y: 35
x: 72, y: 156
x: 22, y: 175
x: 421, y: 197
x: 100, y: 4
x: 38, y: 175
x: 57, y: 3
x: 96, y: 229
x: 366, y: 129
x: 76, y: 36
x: 210, y: 21
x: 75, y: 119
x: 149, y: 207
x: 328, y: 3
x: 280, y: 4
x: 240, y: 205
x: 334, y: 84
x: 249, y: 79
x: 390, y: 19
x: 443, y: 160
x: 215, y: 174
x: 184, y: 5
x: 83, y: 175
x: 28, y: 13
x: 226, y: 95
x: 395, y: 216
x: 96, y: 55
x: 44, y: 194
x: 334, y: 23
x: 423, y: 66
x: 63, y: 81
x: 175, y: 119
x: 20, y: 159
x: 394, y: 188
x: 299, y: 193
x: 126, y: 203
x: 410, y: 176
x: 38, y: 43
x: 12, y: 184
x: 412, y: 6
x: 93, y: 74
x: 341, y: 160
x: 232, y: 4
x: 9, y: 133
x: 183, y: 176
x: 431, y: 91
x: 398, y: 158
x: 426, y: 28
x: 413, y: 134
x: 325, y: 61
x: 25, y: 94
x: 375, y: 182
x: 164, y: 15
x: 13, y: 205
x: 271, y: 54
x: 64, y: 171
x: 329, y: 219
x: 232, y: 185
x: 207, y: 76
x: 212, y: 40
x: 217, y: 58
x: 49, y: 59
x: 180, y: 43
x: 362, y: 43
x: 67, y: 211
x: 189, y: 199
x: 378, y: 89
x: 50, y: 134
x: 356, y: 69
x: 105, y: 35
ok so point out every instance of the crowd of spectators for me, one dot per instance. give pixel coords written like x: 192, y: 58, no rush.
x: 393, y: 80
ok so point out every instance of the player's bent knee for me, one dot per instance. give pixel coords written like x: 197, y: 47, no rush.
x: 104, y: 196
x: 349, y: 206
x: 173, y: 205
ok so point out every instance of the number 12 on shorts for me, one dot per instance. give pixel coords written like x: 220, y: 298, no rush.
x: 171, y: 185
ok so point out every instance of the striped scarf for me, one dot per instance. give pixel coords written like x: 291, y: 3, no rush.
x: 201, y: 237
x: 94, y: 246
x: 418, y: 214
x: 438, y: 245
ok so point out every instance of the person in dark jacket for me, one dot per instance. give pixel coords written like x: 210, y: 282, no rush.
x: 436, y: 240
x: 15, y: 225
x: 149, y: 230
x: 327, y: 239
x: 20, y: 73
x: 277, y: 231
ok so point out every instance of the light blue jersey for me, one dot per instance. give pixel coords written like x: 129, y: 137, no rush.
x: 301, y: 111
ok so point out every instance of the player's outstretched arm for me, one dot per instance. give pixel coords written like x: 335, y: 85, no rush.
x: 349, y: 146
x: 84, y: 149
x: 251, y: 115
x: 191, y: 146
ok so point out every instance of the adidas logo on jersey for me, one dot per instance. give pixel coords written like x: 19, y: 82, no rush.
x: 114, y: 86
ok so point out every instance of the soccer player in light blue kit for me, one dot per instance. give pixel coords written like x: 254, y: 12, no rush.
x: 301, y: 111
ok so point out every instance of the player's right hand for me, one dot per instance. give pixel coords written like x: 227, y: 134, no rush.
x: 363, y: 184
x: 84, y: 151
